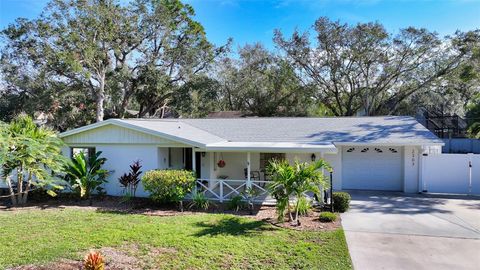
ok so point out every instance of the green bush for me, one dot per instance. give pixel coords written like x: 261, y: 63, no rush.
x: 199, y: 201
x: 304, y: 206
x: 236, y: 203
x: 341, y: 201
x: 168, y: 186
x: 327, y: 217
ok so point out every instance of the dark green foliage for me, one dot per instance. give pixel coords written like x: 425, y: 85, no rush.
x: 292, y: 181
x: 236, y: 203
x: 327, y: 217
x: 304, y: 206
x: 30, y: 157
x: 199, y: 201
x: 169, y: 186
x: 80, y: 62
x: 85, y: 174
x: 341, y: 201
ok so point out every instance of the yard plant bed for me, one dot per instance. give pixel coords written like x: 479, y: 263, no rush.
x: 144, y: 206
x: 59, y: 236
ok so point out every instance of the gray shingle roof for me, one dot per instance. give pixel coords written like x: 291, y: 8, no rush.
x: 380, y: 130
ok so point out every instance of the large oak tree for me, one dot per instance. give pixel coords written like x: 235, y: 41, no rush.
x: 364, y: 68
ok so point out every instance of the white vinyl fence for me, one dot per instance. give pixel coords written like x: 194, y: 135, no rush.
x: 451, y: 173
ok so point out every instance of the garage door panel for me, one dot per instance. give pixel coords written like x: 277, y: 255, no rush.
x: 372, y: 168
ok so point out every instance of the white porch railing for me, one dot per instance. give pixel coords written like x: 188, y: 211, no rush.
x: 225, y: 189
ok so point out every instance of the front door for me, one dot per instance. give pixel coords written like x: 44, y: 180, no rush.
x: 189, y: 163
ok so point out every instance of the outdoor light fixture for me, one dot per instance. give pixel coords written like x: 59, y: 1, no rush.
x: 203, y: 154
x: 313, y: 157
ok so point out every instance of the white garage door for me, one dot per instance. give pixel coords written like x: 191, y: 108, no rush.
x: 372, y: 168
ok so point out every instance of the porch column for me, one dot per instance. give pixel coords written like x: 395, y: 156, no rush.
x: 249, y: 183
x: 194, y: 162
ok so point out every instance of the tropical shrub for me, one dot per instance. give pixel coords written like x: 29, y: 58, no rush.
x: 129, y: 181
x: 250, y: 194
x: 199, y: 201
x: 85, y: 174
x: 292, y: 181
x: 327, y: 217
x: 304, y: 206
x: 30, y: 156
x: 236, y: 203
x: 169, y: 186
x: 94, y: 261
x: 341, y: 201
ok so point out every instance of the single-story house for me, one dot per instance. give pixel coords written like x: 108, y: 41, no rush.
x: 366, y: 153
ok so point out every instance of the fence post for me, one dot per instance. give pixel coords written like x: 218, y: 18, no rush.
x: 331, y: 192
x: 221, y: 191
x: 470, y: 173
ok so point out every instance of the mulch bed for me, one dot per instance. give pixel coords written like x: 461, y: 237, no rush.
x: 144, y: 206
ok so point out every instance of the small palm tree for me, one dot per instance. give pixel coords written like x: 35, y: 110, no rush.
x: 292, y: 182
x: 85, y: 174
x: 283, y: 176
x: 34, y: 154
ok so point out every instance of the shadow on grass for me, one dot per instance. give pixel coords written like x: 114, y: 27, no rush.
x: 113, y: 211
x: 233, y: 226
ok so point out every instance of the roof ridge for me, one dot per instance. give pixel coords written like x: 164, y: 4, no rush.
x: 261, y: 118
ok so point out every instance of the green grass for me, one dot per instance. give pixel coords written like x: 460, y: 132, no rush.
x: 204, y: 241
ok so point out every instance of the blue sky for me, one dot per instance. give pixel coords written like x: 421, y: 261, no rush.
x: 248, y: 21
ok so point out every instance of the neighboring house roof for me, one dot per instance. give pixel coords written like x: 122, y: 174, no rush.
x: 284, y: 133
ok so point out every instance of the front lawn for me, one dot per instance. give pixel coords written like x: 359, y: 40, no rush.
x: 200, y: 241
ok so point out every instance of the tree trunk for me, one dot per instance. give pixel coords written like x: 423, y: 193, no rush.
x: 290, y: 217
x: 13, y: 198
x: 24, y: 196
x: 296, y: 212
x: 101, y: 98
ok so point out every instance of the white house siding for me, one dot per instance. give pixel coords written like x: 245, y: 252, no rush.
x: 411, y: 161
x: 111, y: 134
x: 335, y: 160
x: 120, y: 157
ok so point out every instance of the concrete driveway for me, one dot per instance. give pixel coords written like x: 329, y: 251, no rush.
x: 396, y: 231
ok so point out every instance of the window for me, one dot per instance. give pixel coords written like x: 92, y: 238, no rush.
x: 393, y: 150
x: 88, y: 151
x: 265, y: 158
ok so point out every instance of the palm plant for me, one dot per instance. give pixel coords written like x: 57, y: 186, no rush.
x: 292, y: 182
x: 33, y: 155
x: 85, y: 174
x: 283, y: 176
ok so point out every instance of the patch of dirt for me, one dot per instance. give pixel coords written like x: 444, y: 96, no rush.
x: 144, y: 206
x: 115, y: 259
x: 63, y: 265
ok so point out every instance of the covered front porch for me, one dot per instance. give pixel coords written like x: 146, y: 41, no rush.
x: 223, y: 175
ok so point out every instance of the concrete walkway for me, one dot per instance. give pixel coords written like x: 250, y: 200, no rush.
x: 395, y: 231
